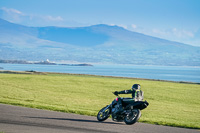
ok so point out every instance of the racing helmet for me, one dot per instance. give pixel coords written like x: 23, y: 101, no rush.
x: 136, y: 86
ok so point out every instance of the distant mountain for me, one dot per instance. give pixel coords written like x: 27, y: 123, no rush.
x: 93, y: 44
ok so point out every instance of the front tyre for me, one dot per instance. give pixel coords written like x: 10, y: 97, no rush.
x: 103, y: 114
x: 132, y: 116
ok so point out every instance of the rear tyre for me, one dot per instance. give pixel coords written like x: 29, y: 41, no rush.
x: 132, y: 117
x: 103, y: 114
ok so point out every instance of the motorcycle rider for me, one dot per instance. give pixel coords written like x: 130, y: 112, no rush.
x: 137, y: 95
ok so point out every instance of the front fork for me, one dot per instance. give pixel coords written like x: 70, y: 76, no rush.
x: 108, y: 106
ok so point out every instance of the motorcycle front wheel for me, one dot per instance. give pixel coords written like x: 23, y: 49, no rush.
x: 132, y: 116
x: 103, y: 114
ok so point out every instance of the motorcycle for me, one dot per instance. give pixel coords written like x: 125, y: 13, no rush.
x: 130, y: 114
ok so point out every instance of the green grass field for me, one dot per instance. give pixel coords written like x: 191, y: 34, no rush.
x: 173, y: 104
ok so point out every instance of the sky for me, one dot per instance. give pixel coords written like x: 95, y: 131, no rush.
x: 175, y: 20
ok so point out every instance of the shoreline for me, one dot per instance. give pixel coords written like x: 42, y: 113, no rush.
x: 46, y: 73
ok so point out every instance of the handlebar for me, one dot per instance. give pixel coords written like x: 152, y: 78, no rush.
x: 115, y: 94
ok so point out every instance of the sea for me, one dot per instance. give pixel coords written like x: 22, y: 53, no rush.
x: 169, y: 73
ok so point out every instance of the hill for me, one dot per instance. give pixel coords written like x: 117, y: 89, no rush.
x: 94, y: 44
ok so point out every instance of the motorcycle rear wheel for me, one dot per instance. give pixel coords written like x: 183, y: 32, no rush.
x: 103, y: 114
x: 132, y: 117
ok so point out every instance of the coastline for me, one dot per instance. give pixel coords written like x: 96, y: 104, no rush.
x: 47, y: 62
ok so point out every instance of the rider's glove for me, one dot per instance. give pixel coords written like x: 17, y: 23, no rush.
x: 116, y: 93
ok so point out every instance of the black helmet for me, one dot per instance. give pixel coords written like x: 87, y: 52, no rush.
x: 136, y: 86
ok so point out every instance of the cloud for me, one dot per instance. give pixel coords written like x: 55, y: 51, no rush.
x: 134, y: 26
x: 11, y: 14
x: 182, y: 33
x: 17, y: 16
x: 50, y: 18
x: 11, y: 11
x: 178, y: 33
x: 120, y: 25
x: 186, y: 36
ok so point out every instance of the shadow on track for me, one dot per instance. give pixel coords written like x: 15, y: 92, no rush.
x: 78, y: 120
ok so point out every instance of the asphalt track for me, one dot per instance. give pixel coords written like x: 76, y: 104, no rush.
x: 14, y: 119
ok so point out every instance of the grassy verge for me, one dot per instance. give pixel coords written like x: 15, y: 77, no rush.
x: 173, y: 104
